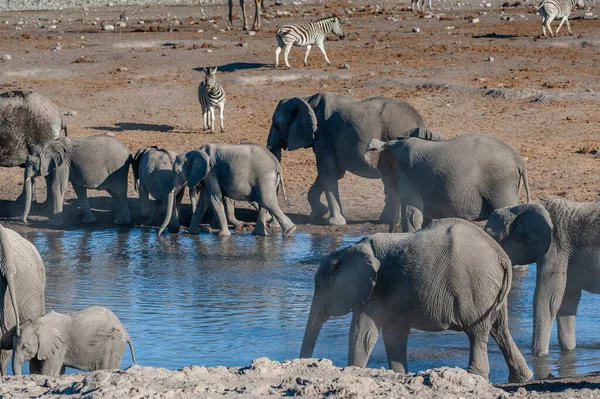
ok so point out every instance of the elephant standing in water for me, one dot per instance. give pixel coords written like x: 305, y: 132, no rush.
x: 243, y: 172
x: 563, y: 238
x: 91, y: 339
x: 448, y: 276
x: 339, y: 129
x: 98, y: 162
x: 466, y: 177
x: 22, y: 289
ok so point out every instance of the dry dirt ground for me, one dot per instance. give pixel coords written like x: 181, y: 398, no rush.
x: 140, y: 82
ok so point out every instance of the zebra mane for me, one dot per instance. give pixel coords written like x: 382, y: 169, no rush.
x: 326, y: 19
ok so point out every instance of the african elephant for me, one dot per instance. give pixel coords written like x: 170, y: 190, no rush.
x: 244, y: 172
x: 339, y: 129
x: 432, y: 180
x: 98, y: 162
x: 90, y: 339
x: 447, y: 276
x: 563, y: 239
x: 23, y: 285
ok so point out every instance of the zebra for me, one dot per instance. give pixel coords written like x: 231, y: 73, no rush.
x: 211, y: 95
x: 306, y: 35
x: 415, y: 5
x: 550, y: 9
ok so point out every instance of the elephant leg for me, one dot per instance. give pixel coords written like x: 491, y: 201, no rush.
x: 201, y: 208
x: 174, y: 226
x: 478, y: 357
x: 317, y: 208
x: 364, y: 332
x: 4, y: 358
x: 84, y: 204
x: 123, y: 214
x: 52, y: 366
x: 60, y: 181
x: 518, y: 369
x: 216, y: 202
x: 49, y: 195
x: 35, y: 366
x: 269, y: 202
x: 395, y: 338
x: 566, y: 318
x: 411, y: 208
x: 547, y: 298
x: 230, y: 213
x: 144, y: 200
x: 260, y: 228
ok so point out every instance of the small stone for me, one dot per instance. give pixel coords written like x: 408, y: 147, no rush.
x: 570, y: 118
x: 474, y: 21
x: 120, y: 25
x: 122, y: 69
x: 488, y: 5
x: 52, y: 27
x: 108, y: 27
x: 214, y: 38
x: 123, y: 17
x: 251, y: 33
x: 346, y: 66
x: 243, y: 44
x: 200, y: 31
x: 506, y: 4
x: 516, y: 4
x: 6, y: 57
x: 71, y: 113
x: 208, y: 50
x: 491, y: 59
x: 416, y: 30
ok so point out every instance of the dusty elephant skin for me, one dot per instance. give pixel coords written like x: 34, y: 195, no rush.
x: 563, y: 239
x: 448, y: 276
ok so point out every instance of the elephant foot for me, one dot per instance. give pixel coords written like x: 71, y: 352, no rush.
x: 174, y: 229
x: 319, y: 211
x: 57, y: 220
x: 289, y: 231
x: 274, y: 224
x: 260, y: 230
x: 89, y: 218
x: 122, y: 220
x: 523, y: 376
x: 193, y: 229
x: 224, y: 233
x: 336, y: 220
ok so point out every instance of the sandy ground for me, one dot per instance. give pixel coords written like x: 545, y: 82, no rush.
x: 139, y: 82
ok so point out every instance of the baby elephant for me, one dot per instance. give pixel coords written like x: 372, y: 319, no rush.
x: 242, y: 172
x: 563, y: 238
x: 448, y: 276
x: 466, y: 177
x: 91, y: 339
x: 98, y: 162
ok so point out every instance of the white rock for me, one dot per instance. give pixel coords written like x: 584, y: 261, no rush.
x: 120, y: 25
x: 474, y: 21
x: 108, y: 27
x: 491, y: 59
x: 6, y: 57
x: 416, y: 30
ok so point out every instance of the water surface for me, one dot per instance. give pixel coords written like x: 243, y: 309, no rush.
x: 209, y: 301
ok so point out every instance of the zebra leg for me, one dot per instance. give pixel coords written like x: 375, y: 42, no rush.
x: 308, y: 47
x: 243, y: 4
x: 562, y: 21
x: 568, y: 26
x: 429, y: 5
x: 221, y: 108
x: 230, y: 3
x: 321, y: 47
x: 204, y: 118
x: 286, y: 53
x: 549, y: 20
x: 277, y: 52
x: 211, y: 118
x: 544, y: 26
x: 259, y: 6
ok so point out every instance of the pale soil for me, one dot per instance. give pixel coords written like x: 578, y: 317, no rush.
x: 308, y: 377
x: 438, y: 70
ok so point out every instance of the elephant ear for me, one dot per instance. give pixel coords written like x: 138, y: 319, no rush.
x: 199, y: 168
x: 50, y: 341
x: 350, y: 278
x: 533, y: 227
x: 303, y: 124
x: 52, y: 156
x: 425, y: 134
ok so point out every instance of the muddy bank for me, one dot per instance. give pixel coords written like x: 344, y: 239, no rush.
x: 306, y: 377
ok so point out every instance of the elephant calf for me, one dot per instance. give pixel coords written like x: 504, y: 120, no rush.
x: 466, y: 177
x: 563, y: 238
x: 98, y: 162
x: 91, y: 339
x: 243, y: 172
x: 447, y: 276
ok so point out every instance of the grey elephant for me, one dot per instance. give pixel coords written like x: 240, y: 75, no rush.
x: 563, y: 239
x: 466, y: 177
x: 447, y: 276
x: 99, y: 162
x: 23, y: 282
x: 243, y: 172
x: 91, y: 339
x: 339, y: 129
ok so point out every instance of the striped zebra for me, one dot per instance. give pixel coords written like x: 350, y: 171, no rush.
x: 211, y: 95
x: 415, y: 5
x: 550, y: 9
x: 306, y: 35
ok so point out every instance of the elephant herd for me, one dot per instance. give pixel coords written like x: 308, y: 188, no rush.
x: 434, y: 271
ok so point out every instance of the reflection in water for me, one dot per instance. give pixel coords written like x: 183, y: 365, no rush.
x: 211, y: 300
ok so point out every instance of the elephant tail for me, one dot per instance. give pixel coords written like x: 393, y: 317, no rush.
x: 523, y: 175
x: 280, y: 182
x: 128, y: 340
x: 506, y: 282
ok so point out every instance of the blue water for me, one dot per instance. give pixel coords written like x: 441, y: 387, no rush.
x: 209, y: 301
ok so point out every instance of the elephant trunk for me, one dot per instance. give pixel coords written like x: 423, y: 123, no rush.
x: 169, y: 212
x: 316, y: 318
x: 17, y: 365
x: 28, y: 198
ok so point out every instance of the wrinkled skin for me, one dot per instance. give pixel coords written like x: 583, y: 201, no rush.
x: 447, y: 276
x: 98, y: 162
x: 428, y: 180
x: 259, y: 7
x: 339, y: 129
x: 22, y: 285
x: 563, y: 239
x: 152, y: 172
x: 243, y: 172
x: 91, y: 339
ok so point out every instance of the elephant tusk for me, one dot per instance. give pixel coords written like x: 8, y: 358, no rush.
x: 28, y: 178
